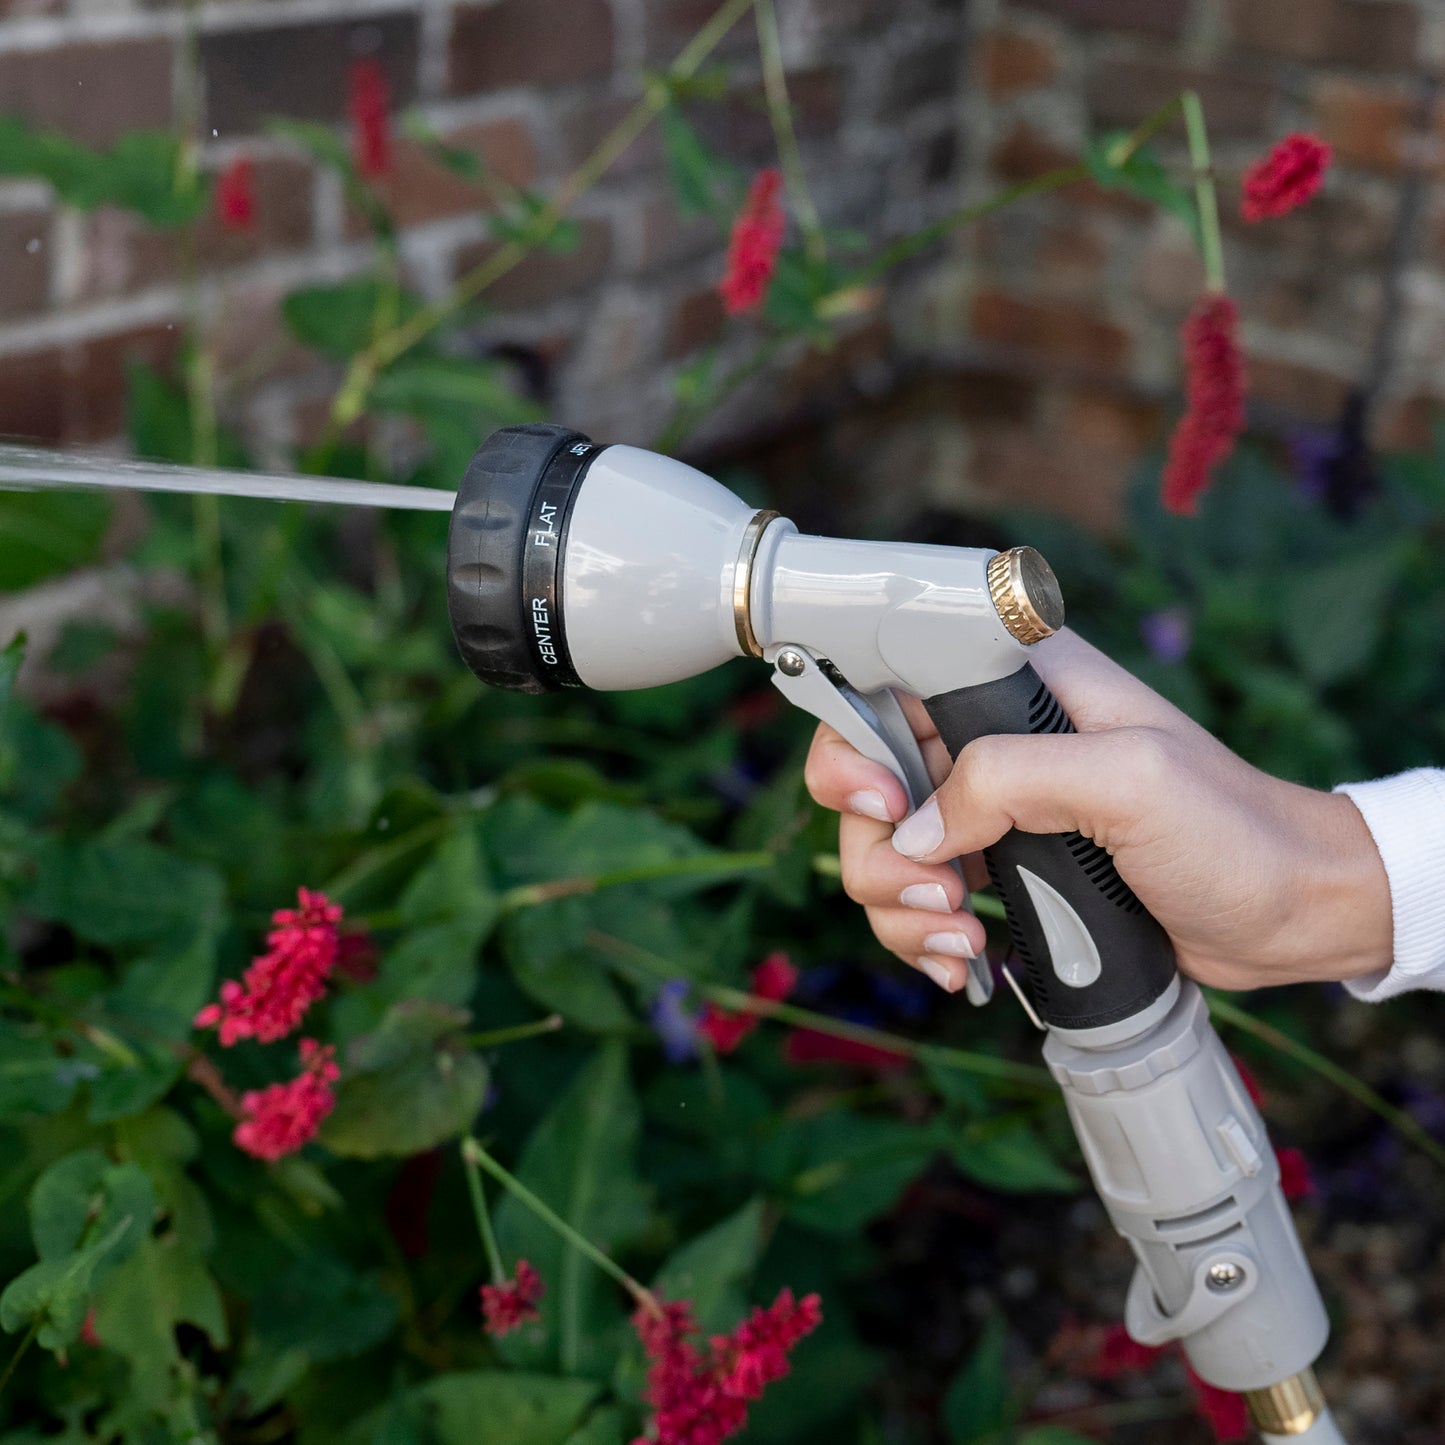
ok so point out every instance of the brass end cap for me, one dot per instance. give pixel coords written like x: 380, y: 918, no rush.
x: 1288, y: 1408
x: 1026, y: 594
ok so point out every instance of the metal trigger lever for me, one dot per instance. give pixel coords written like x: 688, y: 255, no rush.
x: 873, y: 723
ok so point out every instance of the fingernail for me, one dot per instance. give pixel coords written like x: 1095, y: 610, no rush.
x: 932, y: 896
x: 871, y: 804
x: 918, y: 836
x: 945, y: 977
x: 956, y: 945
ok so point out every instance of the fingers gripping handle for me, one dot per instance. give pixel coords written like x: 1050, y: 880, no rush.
x: 1094, y: 955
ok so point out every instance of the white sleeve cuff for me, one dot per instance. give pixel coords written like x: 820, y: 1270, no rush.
x: 1406, y: 817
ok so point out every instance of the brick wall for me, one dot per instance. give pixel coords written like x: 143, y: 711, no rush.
x: 1074, y: 300
x: 531, y: 85
x: 1033, y: 358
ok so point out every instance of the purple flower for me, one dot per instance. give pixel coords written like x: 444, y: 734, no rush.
x: 1167, y: 634
x: 675, y: 1026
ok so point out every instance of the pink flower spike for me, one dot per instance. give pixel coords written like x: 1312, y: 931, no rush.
x: 757, y: 238
x: 513, y: 1303
x: 235, y: 195
x: 282, y: 1118
x: 773, y: 980
x: 1285, y: 178
x: 1214, y: 393
x: 369, y: 105
x: 1295, y: 1180
x: 280, y: 985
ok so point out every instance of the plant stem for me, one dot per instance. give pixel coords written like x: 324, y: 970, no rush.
x: 384, y: 349
x: 473, y: 1152
x: 491, y: 1038
x: 20, y: 1351
x: 528, y: 895
x: 1404, y: 1124
x: 1210, y: 245
x: 740, y: 1002
x: 1144, y: 132
x: 482, y: 1215
x: 780, y: 113
x: 686, y: 414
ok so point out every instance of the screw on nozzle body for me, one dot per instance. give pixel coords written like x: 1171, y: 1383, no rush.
x: 1026, y: 594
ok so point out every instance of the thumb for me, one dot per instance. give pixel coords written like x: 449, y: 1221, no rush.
x: 1099, y: 784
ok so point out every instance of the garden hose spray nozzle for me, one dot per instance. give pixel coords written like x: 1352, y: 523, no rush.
x: 577, y: 565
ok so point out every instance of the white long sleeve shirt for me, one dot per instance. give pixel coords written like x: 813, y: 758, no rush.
x: 1406, y: 817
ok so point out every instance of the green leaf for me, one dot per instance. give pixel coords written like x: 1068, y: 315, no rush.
x: 34, y: 1079
x: 547, y: 953
x: 422, y: 385
x: 126, y: 892
x: 483, y: 1406
x: 1142, y: 175
x: 977, y: 1404
x: 603, y: 1427
x: 57, y: 1291
x: 46, y: 533
x: 341, y: 319
x: 1333, y: 617
x: 84, y: 1194
x: 699, y: 176
x: 581, y: 1160
x: 1055, y: 1435
x: 1011, y: 1158
x: 712, y: 1269
x: 408, y: 1086
x: 324, y: 1308
x: 164, y: 1284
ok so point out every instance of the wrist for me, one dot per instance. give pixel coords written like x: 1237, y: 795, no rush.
x: 1350, y: 920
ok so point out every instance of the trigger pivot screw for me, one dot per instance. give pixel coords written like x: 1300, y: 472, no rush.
x: 790, y: 663
x: 1224, y: 1277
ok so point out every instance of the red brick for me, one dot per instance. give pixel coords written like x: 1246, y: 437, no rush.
x: 27, y: 9
x: 1369, y: 124
x: 419, y: 188
x: 669, y: 237
x: 1124, y: 92
x: 544, y: 275
x: 1054, y: 330
x: 1042, y: 471
x: 528, y: 42
x: 836, y: 372
x: 586, y: 124
x: 1170, y: 275
x: 1155, y: 17
x: 1302, y: 391
x: 1072, y: 258
x: 696, y: 321
x: 671, y: 24
x: 91, y: 92
x: 76, y: 393
x: 1012, y: 63
x: 740, y: 124
x: 24, y: 262
x: 124, y: 255
x: 301, y: 71
x: 1111, y: 422
x: 1410, y: 424
x: 1382, y: 34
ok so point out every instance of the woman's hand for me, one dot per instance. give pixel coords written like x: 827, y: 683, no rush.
x: 1256, y: 880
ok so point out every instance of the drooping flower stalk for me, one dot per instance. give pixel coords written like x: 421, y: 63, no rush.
x: 235, y: 195
x: 369, y: 105
x: 1284, y: 179
x: 1214, y: 394
x: 512, y: 1303
x: 757, y: 237
x: 279, y: 986
x: 282, y: 1118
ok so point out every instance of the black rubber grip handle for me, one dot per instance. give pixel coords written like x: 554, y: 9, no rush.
x: 1113, y: 959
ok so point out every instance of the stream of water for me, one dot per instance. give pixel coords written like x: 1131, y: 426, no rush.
x: 35, y: 468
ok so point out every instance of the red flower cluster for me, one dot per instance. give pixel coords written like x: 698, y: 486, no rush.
x: 699, y: 1395
x: 369, y: 105
x: 1214, y: 394
x: 235, y: 196
x: 1285, y: 178
x: 513, y: 1303
x: 773, y: 980
x: 284, y: 981
x: 283, y: 1117
x: 753, y: 247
